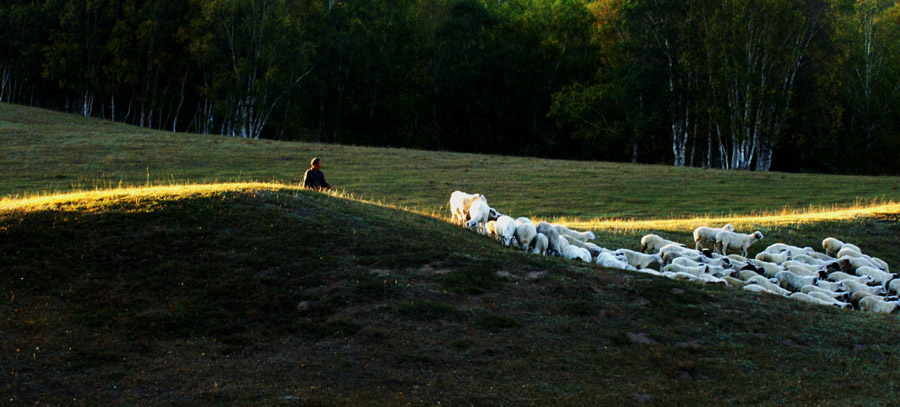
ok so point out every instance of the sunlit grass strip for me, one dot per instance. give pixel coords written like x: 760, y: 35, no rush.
x: 53, y: 201
x: 786, y: 217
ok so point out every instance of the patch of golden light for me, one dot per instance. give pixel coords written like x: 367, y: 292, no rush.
x: 53, y: 201
x: 785, y: 217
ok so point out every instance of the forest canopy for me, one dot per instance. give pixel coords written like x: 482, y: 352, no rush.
x: 792, y: 85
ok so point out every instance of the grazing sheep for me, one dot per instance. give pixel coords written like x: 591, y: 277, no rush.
x: 776, y: 258
x: 781, y: 247
x: 460, y: 202
x: 639, y: 260
x: 729, y: 240
x: 574, y: 252
x: 652, y: 243
x: 831, y: 246
x: 540, y: 244
x: 552, y: 238
x: 677, y: 268
x: 680, y: 276
x: 794, y: 282
x: 479, y: 214
x: 858, y: 259
x: 878, y: 275
x: 705, y: 234
x: 854, y: 287
x: 525, y: 233
x: 572, y: 234
x: 810, y: 299
x: 874, y: 304
x: 850, y: 264
x: 607, y: 259
x: 803, y: 258
x: 505, y: 228
x: 848, y: 252
x: 855, y: 297
x: 594, y: 249
x: 522, y: 220
x: 760, y: 280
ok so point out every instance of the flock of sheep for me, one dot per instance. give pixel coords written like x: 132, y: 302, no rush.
x: 842, y: 276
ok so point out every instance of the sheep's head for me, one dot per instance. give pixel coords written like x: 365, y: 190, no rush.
x: 728, y: 227
x: 758, y: 235
x: 493, y: 214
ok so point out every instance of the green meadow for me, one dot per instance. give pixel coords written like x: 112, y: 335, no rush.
x: 267, y: 294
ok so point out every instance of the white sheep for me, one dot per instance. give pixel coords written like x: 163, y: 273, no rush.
x: 803, y: 258
x: 574, y: 252
x: 756, y: 288
x: 522, y: 220
x: 835, y: 286
x: 875, y: 304
x: 831, y: 300
x: 878, y: 275
x: 831, y: 246
x: 506, y: 229
x: 844, y: 277
x: 525, y: 234
x: 854, y: 287
x: 479, y: 214
x: 809, y: 289
x: 860, y: 259
x: 639, y: 260
x: 803, y: 269
x: 768, y: 285
x: 540, y: 244
x: 677, y: 268
x: 776, y: 258
x: 652, y: 243
x: 781, y: 247
x: 650, y: 271
x: 680, y: 249
x: 735, y: 282
x: 810, y: 299
x: 704, y: 234
x: 794, y: 282
x: 607, y: 259
x: 746, y: 275
x: 460, y: 202
x: 729, y: 240
x: 573, y: 234
x: 552, y: 238
x: 768, y: 268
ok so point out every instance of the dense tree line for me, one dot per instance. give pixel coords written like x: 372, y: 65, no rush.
x: 797, y: 85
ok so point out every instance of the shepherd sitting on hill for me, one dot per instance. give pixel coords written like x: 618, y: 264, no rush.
x: 314, y: 178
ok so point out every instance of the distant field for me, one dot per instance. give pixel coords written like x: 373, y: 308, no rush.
x: 265, y: 294
x: 49, y: 151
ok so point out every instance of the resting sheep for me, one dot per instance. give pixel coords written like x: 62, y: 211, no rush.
x: 874, y: 304
x: 781, y: 247
x: 639, y: 260
x: 572, y: 234
x: 729, y: 240
x: 878, y: 275
x: 832, y: 246
x: 652, y: 243
x: 794, y: 282
x: 776, y: 258
x: 768, y: 285
x: 811, y: 300
x: 855, y: 287
x: 607, y: 259
x: 705, y: 234
x: 573, y: 252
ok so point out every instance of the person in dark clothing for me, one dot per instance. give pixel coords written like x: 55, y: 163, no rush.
x: 314, y: 178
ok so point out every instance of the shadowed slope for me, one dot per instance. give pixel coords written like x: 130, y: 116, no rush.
x: 261, y: 296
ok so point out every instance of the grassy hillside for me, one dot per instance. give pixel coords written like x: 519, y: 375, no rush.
x: 264, y: 294
x: 52, y: 151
